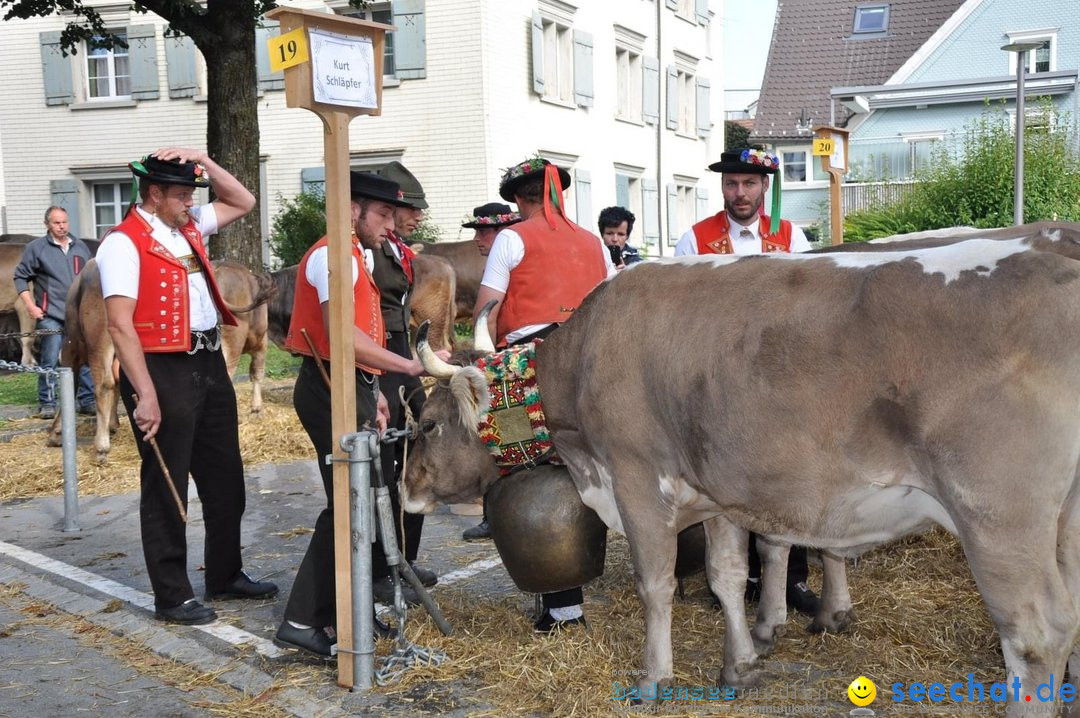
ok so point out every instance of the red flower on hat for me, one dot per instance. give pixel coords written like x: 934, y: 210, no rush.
x: 400, y: 194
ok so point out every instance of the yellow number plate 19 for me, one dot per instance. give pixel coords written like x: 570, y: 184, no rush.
x: 288, y: 50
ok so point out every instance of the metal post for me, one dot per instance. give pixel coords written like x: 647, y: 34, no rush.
x: 1018, y: 178
x: 363, y: 535
x: 67, y: 442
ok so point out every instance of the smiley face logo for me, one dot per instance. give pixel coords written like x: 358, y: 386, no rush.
x: 862, y: 691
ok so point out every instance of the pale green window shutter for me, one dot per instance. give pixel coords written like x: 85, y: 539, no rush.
x: 583, y: 68
x: 267, y: 80
x: 650, y: 84
x: 622, y: 191
x: 313, y: 180
x: 181, y: 67
x: 701, y: 194
x: 538, y: 54
x: 673, y: 213
x: 704, y: 123
x: 583, y: 197
x: 650, y: 210
x: 56, y: 71
x: 142, y: 57
x: 701, y: 11
x: 672, y: 98
x: 65, y: 193
x: 410, y: 42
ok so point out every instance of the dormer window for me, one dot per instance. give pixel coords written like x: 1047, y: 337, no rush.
x: 871, y: 20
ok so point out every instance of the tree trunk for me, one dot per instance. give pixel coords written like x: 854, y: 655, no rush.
x: 232, y: 122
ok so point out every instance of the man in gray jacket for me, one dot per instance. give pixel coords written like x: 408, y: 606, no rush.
x: 51, y: 263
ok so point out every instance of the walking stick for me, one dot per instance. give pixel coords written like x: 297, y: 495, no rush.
x: 316, y: 357
x: 165, y: 470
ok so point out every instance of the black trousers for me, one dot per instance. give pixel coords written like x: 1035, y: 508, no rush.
x: 571, y: 596
x: 392, y: 454
x: 198, y: 435
x: 797, y: 570
x: 313, y: 598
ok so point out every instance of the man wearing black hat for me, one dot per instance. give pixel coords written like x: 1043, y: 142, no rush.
x: 486, y: 221
x: 162, y: 305
x: 539, y: 271
x: 741, y: 228
x: 392, y: 269
x: 311, y: 611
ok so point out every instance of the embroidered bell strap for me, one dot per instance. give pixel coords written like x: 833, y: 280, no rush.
x: 514, y: 428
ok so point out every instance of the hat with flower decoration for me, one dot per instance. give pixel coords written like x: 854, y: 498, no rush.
x: 492, y: 214
x: 151, y: 169
x: 522, y: 172
x: 752, y: 160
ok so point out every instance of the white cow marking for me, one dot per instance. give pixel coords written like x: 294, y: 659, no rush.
x: 974, y: 255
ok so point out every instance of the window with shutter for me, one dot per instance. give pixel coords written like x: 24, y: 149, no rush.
x: 108, y: 71
x: 56, y: 71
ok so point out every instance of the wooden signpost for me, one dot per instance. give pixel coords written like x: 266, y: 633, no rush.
x: 831, y: 144
x: 334, y: 67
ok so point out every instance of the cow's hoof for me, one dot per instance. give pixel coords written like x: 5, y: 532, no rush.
x: 648, y: 691
x: 744, y: 675
x: 835, y: 622
x: 53, y: 440
x: 101, y: 458
x: 765, y: 637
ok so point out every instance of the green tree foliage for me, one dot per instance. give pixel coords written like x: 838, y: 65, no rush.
x: 972, y: 182
x: 735, y: 136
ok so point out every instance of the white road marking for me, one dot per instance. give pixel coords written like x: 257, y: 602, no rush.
x: 230, y: 634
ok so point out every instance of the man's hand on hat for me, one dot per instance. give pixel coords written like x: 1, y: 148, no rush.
x: 181, y: 154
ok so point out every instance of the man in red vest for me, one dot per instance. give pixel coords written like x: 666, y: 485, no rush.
x: 311, y: 610
x: 539, y: 271
x: 162, y: 305
x: 741, y: 228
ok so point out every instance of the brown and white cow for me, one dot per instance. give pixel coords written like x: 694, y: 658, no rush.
x: 249, y: 294
x: 432, y: 300
x: 87, y: 341
x: 833, y: 400
x: 468, y: 266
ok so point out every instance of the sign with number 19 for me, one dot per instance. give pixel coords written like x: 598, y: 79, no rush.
x: 288, y: 50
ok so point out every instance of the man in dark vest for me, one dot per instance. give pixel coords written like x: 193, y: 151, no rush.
x: 162, y: 305
x: 741, y: 228
x: 539, y: 271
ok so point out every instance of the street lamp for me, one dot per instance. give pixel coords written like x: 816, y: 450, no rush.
x: 1021, y: 49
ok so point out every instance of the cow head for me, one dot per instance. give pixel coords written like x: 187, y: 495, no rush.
x: 448, y: 462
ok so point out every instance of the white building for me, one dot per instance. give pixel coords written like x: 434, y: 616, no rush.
x: 618, y: 91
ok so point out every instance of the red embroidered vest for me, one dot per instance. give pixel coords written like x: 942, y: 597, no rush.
x: 713, y: 236
x: 307, y: 311
x: 162, y: 316
x: 560, y: 267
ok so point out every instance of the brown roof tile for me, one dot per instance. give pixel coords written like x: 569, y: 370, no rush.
x: 812, y: 52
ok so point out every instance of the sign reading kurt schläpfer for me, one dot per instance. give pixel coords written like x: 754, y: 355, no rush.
x: 343, y: 70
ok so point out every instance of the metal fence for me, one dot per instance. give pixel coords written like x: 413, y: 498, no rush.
x: 874, y: 195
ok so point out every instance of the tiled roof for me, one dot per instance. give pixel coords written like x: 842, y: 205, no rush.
x: 813, y: 51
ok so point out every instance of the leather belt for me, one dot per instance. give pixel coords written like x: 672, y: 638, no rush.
x: 208, y: 339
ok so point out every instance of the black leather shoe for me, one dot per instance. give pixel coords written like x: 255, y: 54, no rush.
x: 188, y: 613
x: 87, y: 410
x: 383, y: 591
x: 47, y: 412
x: 802, y: 599
x: 243, y: 586
x: 313, y: 641
x: 548, y: 624
x: 480, y: 532
x: 427, y: 578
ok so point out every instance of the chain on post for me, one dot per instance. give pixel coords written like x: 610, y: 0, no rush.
x: 27, y: 368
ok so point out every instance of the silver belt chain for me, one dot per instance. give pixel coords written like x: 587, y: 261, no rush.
x: 200, y: 336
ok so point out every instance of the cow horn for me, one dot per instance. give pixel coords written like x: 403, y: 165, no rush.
x: 433, y: 365
x: 481, y: 336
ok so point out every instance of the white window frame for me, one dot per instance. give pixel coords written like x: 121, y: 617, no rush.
x: 687, y: 103
x: 120, y: 199
x: 630, y: 86
x: 342, y: 7
x: 110, y: 56
x: 686, y: 10
x: 1048, y: 34
x: 685, y: 200
x: 883, y: 30
x: 811, y: 164
x: 558, y: 59
x: 914, y: 139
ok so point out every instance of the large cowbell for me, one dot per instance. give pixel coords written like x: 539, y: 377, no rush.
x: 548, y: 539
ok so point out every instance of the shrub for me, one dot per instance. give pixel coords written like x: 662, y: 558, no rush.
x: 299, y: 224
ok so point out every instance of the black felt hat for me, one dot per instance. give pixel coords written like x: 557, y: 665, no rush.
x: 411, y: 189
x: 492, y: 214
x: 747, y: 161
x: 151, y: 169
x: 522, y: 172
x: 370, y: 186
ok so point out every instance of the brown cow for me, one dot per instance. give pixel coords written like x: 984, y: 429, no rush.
x: 10, y: 254
x: 87, y: 341
x: 249, y: 293
x: 431, y: 300
x: 468, y: 266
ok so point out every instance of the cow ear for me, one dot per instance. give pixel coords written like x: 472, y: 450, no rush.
x: 470, y: 389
